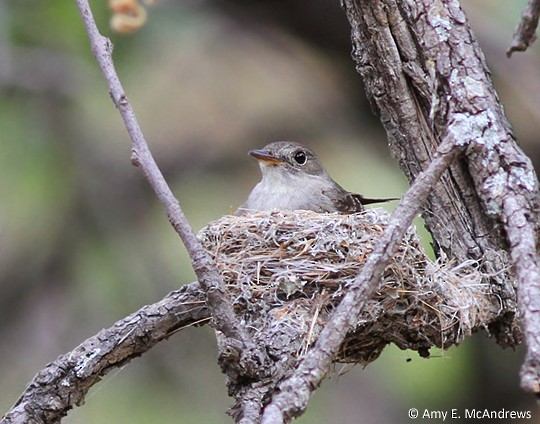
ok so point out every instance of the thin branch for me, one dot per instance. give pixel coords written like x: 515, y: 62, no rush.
x: 294, y: 392
x: 65, y: 382
x: 525, y: 33
x: 238, y: 341
x: 521, y: 232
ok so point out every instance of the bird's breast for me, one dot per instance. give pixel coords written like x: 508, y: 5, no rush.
x: 289, y: 194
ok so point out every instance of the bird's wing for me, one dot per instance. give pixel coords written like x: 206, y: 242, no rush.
x: 352, y: 202
x: 345, y: 202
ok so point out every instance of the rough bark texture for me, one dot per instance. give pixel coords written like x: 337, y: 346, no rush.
x: 427, y: 77
x: 65, y: 382
x: 525, y: 33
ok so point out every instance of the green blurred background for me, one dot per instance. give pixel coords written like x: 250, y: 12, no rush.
x: 84, y: 241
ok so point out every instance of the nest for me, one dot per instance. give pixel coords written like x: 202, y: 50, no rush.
x: 287, y: 272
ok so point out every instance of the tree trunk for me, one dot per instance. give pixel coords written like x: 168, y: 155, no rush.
x: 427, y: 78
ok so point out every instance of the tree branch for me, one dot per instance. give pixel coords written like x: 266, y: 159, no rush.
x: 426, y: 74
x: 294, y: 392
x: 427, y: 77
x: 522, y: 236
x: 65, y: 382
x: 241, y: 355
x: 524, y: 34
x: 418, y: 304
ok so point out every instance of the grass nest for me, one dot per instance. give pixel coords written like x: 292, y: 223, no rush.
x: 291, y: 269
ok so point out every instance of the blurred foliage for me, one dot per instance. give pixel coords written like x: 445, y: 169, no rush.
x: 85, y: 242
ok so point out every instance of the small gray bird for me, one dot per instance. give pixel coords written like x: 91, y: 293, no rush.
x: 294, y: 178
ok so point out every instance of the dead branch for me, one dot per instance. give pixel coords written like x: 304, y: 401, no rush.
x: 427, y: 78
x: 304, y: 264
x: 525, y: 33
x: 65, y: 382
x: 426, y: 74
x: 239, y: 354
x: 294, y: 392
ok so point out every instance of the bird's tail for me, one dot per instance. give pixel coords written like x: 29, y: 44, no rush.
x: 368, y: 200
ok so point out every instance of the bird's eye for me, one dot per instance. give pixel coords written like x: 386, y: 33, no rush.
x: 300, y: 158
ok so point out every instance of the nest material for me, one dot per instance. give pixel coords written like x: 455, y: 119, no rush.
x: 287, y: 271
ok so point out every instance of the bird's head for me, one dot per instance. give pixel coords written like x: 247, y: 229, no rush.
x: 288, y: 157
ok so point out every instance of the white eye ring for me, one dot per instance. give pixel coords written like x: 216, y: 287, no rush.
x: 300, y: 157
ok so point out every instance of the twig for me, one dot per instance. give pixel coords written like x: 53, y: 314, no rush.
x: 65, y: 382
x: 240, y: 346
x: 294, y: 392
x: 521, y: 232
x: 525, y: 35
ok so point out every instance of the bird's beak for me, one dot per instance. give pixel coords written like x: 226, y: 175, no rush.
x: 264, y: 156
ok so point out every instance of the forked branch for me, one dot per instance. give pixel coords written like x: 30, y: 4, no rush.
x: 294, y: 392
x: 243, y: 356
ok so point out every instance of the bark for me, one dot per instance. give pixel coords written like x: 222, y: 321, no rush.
x: 240, y: 357
x: 525, y: 33
x: 65, y: 382
x: 292, y: 397
x: 427, y: 77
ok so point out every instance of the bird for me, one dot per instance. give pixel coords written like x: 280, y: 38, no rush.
x: 293, y: 178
